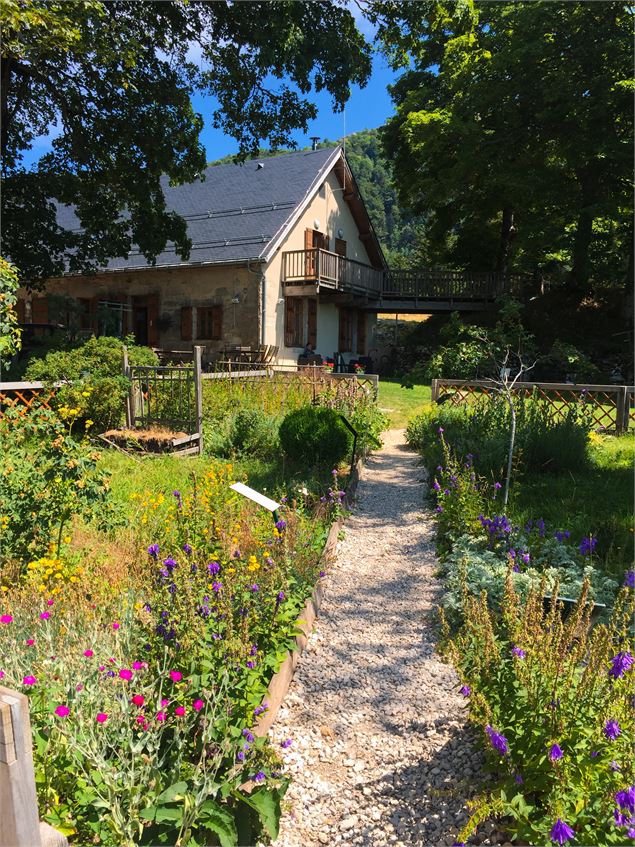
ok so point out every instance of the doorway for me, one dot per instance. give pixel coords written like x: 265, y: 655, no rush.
x: 140, y: 324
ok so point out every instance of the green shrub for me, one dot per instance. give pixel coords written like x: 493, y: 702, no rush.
x: 315, y: 436
x: 553, y: 697
x: 253, y: 432
x: 97, y: 388
x: 48, y: 477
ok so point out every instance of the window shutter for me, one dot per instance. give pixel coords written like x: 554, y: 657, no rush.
x: 217, y: 323
x: 312, y: 323
x: 340, y: 247
x: 289, y: 321
x: 361, y: 333
x: 39, y: 310
x: 153, y: 317
x: 186, y: 323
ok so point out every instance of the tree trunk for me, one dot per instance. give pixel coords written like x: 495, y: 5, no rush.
x: 507, y: 234
x: 580, y: 268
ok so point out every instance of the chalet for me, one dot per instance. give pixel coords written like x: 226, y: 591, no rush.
x: 283, y: 254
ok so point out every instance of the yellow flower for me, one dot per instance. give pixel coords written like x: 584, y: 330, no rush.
x: 88, y: 423
x: 67, y: 539
x: 85, y: 393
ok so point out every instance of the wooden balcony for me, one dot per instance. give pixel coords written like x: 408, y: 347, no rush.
x: 331, y: 271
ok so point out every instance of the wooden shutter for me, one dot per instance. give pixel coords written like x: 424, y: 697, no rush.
x: 39, y: 310
x: 153, y: 317
x: 186, y: 323
x: 312, y: 323
x: 361, y: 333
x: 340, y: 247
x: 217, y: 323
x: 290, y: 312
x: 309, y: 263
x: 20, y: 308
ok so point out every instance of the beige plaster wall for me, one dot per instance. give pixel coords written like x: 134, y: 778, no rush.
x: 332, y: 212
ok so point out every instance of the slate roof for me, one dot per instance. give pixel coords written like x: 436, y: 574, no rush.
x: 237, y: 211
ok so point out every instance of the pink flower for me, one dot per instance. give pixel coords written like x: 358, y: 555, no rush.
x: 29, y: 680
x: 5, y: 618
x: 137, y: 665
x: 180, y: 711
x: 102, y: 667
x: 160, y: 717
x: 102, y: 717
x: 138, y: 699
x: 1, y: 674
x: 197, y: 705
x: 44, y: 616
x: 164, y: 702
x: 62, y: 711
x: 125, y: 673
x: 176, y: 676
x: 30, y: 642
x: 50, y: 602
x: 89, y: 654
x: 79, y: 687
x: 116, y: 625
x: 140, y: 718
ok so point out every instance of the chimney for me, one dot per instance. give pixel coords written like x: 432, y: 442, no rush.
x: 314, y: 141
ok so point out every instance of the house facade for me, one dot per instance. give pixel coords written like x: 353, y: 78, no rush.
x: 283, y: 254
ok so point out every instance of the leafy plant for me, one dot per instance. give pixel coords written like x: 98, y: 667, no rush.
x: 315, y: 434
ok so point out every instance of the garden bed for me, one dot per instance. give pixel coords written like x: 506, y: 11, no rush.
x: 150, y: 440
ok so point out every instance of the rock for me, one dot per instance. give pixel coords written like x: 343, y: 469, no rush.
x: 348, y: 823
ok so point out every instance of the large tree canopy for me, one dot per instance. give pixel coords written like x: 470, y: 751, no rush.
x: 513, y: 132
x: 115, y: 79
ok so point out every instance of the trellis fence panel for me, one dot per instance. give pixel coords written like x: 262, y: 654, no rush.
x: 611, y: 406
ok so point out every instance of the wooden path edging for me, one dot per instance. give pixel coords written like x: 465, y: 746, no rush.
x: 281, y: 680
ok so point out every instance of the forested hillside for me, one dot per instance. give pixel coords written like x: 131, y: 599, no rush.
x: 396, y: 231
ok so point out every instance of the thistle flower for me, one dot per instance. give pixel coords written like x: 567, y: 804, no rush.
x: 612, y: 730
x: 561, y: 832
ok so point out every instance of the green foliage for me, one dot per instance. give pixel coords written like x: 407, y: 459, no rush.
x: 130, y: 61
x: 253, y: 433
x: 499, y: 137
x: 315, y: 435
x: 540, y: 678
x: 9, y: 332
x: 97, y: 388
x: 48, y: 477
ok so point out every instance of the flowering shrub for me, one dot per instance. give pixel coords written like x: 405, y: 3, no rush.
x: 48, y: 477
x: 554, y: 697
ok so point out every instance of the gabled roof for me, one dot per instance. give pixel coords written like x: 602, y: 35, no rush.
x: 238, y: 212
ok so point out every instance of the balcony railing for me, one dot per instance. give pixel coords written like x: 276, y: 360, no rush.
x: 321, y: 267
x: 304, y: 267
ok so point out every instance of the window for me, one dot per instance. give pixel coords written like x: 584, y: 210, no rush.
x: 293, y: 322
x: 210, y: 322
x: 340, y: 247
x: 345, y: 336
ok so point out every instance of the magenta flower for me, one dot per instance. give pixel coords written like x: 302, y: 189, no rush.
x: 6, y: 619
x: 2, y: 674
x: 176, y: 676
x: 180, y: 711
x: 101, y: 717
x: 561, y: 832
x: 50, y: 602
x: 44, y: 616
x: 29, y: 680
x: 160, y: 717
x: 197, y: 705
x: 62, y: 711
x: 137, y: 665
x: 138, y: 699
x: 30, y: 642
x: 116, y: 625
x: 89, y: 654
x: 125, y: 673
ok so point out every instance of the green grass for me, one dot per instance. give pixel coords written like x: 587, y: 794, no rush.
x: 401, y: 404
x: 597, y: 500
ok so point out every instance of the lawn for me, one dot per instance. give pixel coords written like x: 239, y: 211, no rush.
x: 401, y: 404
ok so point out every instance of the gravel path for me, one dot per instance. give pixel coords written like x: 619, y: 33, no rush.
x: 380, y: 754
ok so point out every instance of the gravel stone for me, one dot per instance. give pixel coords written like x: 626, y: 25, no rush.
x: 383, y: 753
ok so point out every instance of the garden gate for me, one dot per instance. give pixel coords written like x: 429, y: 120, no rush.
x: 167, y: 396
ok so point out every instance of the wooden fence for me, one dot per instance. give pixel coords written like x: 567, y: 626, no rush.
x: 24, y: 395
x: 19, y: 819
x: 611, y: 407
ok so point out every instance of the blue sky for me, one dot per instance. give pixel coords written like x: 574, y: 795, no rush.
x: 366, y: 109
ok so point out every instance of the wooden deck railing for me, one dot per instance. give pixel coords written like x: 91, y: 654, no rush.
x: 611, y: 407
x: 333, y: 271
x: 330, y: 270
